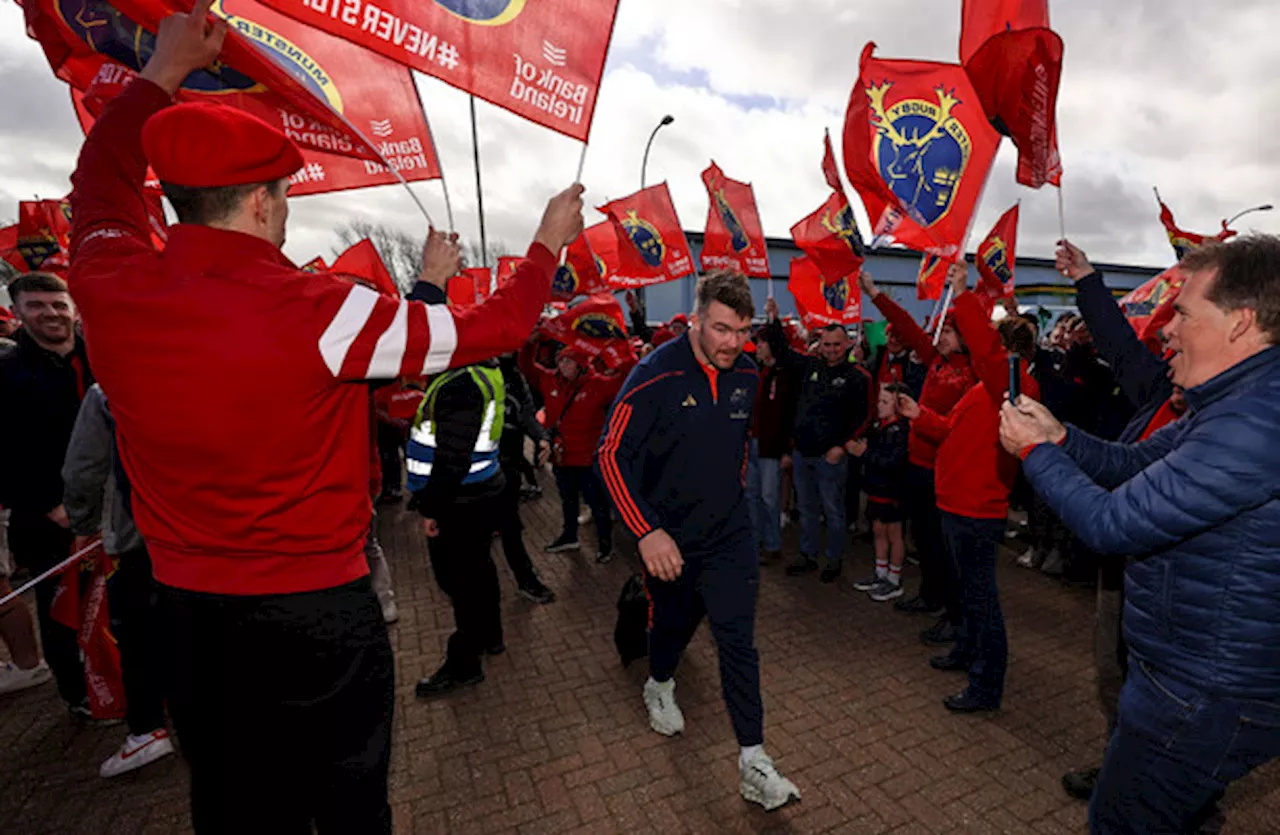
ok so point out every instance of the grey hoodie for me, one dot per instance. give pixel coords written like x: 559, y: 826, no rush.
x: 92, y: 495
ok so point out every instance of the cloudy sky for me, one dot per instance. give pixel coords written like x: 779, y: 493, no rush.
x: 1178, y: 94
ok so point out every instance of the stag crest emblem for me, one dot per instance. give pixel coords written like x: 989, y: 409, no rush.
x: 922, y: 150
x: 738, y: 235
x: 837, y: 294
x: 598, y: 326
x: 843, y: 226
x: 646, y: 238
x: 996, y: 257
x: 566, y: 280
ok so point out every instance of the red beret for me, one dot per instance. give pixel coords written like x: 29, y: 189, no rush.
x: 206, y: 145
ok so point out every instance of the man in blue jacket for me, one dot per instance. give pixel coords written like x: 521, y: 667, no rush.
x: 673, y: 458
x: 1196, y: 507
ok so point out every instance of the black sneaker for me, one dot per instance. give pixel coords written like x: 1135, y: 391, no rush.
x: 536, y: 592
x: 868, y: 583
x: 917, y: 606
x: 966, y: 702
x: 446, y: 681
x: 563, y: 542
x: 830, y: 574
x: 605, y: 555
x: 801, y: 565
x: 940, y: 634
x: 1080, y: 784
x: 530, y: 492
x: 949, y: 664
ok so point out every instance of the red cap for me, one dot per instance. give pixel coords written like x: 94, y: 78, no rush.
x: 749, y: 347
x: 205, y: 145
x: 679, y: 317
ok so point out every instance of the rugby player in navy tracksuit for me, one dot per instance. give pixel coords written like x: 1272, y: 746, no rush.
x: 673, y: 458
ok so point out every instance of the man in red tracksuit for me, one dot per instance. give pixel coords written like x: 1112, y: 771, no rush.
x: 975, y: 477
x: 243, y: 425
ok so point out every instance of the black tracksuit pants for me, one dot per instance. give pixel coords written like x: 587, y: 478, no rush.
x: 461, y: 560
x: 723, y: 587
x: 131, y: 604
x: 283, y: 708
x: 511, y: 528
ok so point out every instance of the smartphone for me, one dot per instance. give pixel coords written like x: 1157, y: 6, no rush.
x: 1015, y: 378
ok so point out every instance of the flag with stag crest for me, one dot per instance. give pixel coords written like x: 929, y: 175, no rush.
x: 734, y: 239
x: 579, y: 275
x: 918, y: 149
x: 932, y: 276
x: 1183, y: 241
x: 1150, y: 307
x: 997, y: 255
x: 594, y: 326
x: 820, y: 303
x: 651, y: 245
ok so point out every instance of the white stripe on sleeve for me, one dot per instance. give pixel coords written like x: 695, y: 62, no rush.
x: 444, y: 338
x: 351, y: 318
x: 388, y: 354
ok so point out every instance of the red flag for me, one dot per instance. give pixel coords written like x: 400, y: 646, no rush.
x: 819, y: 303
x: 540, y: 60
x: 100, y: 44
x: 918, y: 148
x: 829, y: 169
x: 997, y: 256
x: 44, y: 234
x: 103, y: 674
x: 507, y: 267
x: 483, y: 277
x: 651, y: 244
x: 469, y: 287
x: 734, y: 239
x: 596, y: 327
x: 603, y: 242
x: 362, y: 262
x: 1150, y: 307
x: 829, y: 237
x: 1183, y: 241
x: 9, y: 248
x: 578, y: 275
x: 1014, y: 60
x: 315, y: 265
x: 932, y: 277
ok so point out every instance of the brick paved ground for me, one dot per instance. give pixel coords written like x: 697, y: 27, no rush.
x: 556, y: 739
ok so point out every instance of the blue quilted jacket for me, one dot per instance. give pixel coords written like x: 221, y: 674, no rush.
x: 1197, y: 508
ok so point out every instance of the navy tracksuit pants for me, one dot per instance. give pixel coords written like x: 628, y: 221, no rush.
x: 723, y: 587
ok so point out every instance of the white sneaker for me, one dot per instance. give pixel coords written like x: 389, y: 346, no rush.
x: 664, y: 714
x: 1030, y: 558
x: 14, y: 679
x: 390, y: 614
x: 137, y: 752
x: 761, y: 783
x: 584, y: 517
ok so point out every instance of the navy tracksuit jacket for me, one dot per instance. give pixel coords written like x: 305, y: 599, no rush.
x: 673, y: 456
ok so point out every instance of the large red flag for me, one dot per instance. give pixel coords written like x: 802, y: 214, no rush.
x: 507, y: 265
x: 9, y: 248
x: 579, y: 275
x: 362, y: 262
x: 734, y: 239
x: 997, y: 255
x: 100, y: 45
x: 932, y: 276
x: 651, y: 244
x: 1150, y: 307
x: 594, y: 326
x: 820, y: 303
x: 469, y: 287
x: 540, y: 60
x: 918, y: 148
x: 1183, y: 241
x: 829, y: 169
x: 604, y: 248
x: 1014, y: 60
x: 44, y: 234
x: 829, y: 237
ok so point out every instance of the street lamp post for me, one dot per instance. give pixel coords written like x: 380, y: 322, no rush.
x: 644, y: 167
x: 1266, y: 207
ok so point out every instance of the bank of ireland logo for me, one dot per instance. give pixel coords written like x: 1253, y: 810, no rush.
x: 843, y: 226
x: 996, y: 257
x: 737, y: 235
x: 483, y: 12
x: 921, y: 152
x: 565, y: 280
x: 598, y: 326
x: 837, y: 294
x: 646, y: 238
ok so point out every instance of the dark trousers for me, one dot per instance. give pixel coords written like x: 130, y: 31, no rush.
x: 937, y: 587
x: 464, y: 569
x: 723, y: 587
x: 131, y: 603
x: 38, y: 544
x: 1175, y: 750
x: 391, y: 441
x: 853, y: 492
x: 511, y: 527
x: 573, y: 482
x: 283, y: 707
x: 981, y: 638
x: 526, y: 471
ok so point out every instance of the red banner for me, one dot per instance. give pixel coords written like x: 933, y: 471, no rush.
x: 315, y: 265
x: 918, y: 148
x: 604, y: 249
x: 44, y: 234
x: 469, y: 287
x: 540, y: 60
x: 829, y: 237
x: 362, y: 263
x: 651, y: 245
x: 829, y: 169
x: 1150, y: 307
x: 9, y: 248
x: 997, y: 256
x: 932, y: 277
x: 596, y: 327
x: 820, y: 303
x: 1014, y: 60
x: 579, y: 275
x: 734, y: 239
x: 1183, y: 241
x: 84, y: 608
x: 507, y: 267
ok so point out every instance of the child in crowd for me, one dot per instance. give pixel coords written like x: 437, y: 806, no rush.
x: 884, y: 460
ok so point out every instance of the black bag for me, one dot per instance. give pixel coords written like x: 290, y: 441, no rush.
x: 631, y: 635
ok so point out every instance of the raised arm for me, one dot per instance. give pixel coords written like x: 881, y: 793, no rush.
x: 907, y: 328
x: 788, y: 358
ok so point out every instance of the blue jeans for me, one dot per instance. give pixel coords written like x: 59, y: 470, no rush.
x: 764, y: 480
x: 1175, y: 750
x: 980, y: 639
x: 820, y: 489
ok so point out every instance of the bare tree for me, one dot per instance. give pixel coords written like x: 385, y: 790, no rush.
x: 471, y: 253
x: 400, y: 251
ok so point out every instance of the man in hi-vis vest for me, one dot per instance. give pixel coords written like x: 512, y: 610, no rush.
x: 457, y: 485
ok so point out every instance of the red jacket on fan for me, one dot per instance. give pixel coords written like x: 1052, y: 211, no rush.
x: 974, y: 474
x: 947, y: 381
x: 228, y: 370
x: 581, y: 425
